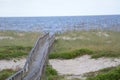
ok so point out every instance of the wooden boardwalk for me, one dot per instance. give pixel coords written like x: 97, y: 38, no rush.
x: 36, y: 61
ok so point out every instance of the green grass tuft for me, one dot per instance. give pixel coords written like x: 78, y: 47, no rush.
x: 50, y: 70
x: 93, y: 74
x: 113, y: 74
x: 52, y: 74
x: 84, y: 51
x: 98, y: 54
x: 69, y: 55
x: 6, y: 73
x: 7, y: 52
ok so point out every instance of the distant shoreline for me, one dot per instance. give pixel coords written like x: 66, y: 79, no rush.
x: 59, y: 16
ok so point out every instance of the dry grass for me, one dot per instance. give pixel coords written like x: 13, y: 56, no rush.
x: 15, y: 44
x: 19, y: 38
x: 103, y: 43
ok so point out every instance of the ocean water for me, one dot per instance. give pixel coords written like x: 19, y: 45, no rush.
x: 59, y: 24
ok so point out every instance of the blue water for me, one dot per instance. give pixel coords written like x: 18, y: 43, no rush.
x: 53, y: 24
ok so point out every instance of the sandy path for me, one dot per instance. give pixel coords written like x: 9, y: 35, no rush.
x: 81, y: 65
x: 14, y: 64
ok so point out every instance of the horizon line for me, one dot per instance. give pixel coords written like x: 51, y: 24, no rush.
x: 66, y: 15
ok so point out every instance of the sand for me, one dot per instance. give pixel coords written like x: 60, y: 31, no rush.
x: 74, y: 67
x: 83, y: 64
x: 14, y: 64
x: 6, y: 37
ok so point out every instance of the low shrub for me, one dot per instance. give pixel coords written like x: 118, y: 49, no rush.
x: 113, y: 74
x: 84, y: 51
x: 105, y: 54
x: 69, y: 55
x: 7, y: 52
x: 52, y: 74
x: 50, y: 70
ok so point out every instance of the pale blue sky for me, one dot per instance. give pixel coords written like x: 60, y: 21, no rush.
x: 58, y: 7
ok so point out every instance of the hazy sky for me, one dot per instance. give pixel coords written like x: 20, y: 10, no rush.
x: 58, y: 7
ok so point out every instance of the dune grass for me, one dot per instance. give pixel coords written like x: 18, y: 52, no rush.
x: 101, y: 43
x: 96, y: 43
x: 18, y: 38
x: 14, y: 44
